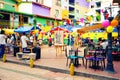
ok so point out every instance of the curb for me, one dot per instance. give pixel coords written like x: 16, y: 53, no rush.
x: 95, y: 76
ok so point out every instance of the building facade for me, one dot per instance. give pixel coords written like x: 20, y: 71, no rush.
x: 12, y: 18
x: 81, y: 7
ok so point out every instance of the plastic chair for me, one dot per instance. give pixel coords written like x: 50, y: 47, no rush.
x: 70, y: 56
x: 87, y: 56
x: 94, y: 59
x: 79, y: 57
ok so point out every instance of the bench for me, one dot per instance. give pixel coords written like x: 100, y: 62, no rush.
x: 21, y: 55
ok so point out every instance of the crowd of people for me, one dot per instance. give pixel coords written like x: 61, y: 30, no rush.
x: 28, y: 39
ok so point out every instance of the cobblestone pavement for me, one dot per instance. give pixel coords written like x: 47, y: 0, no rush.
x: 10, y: 71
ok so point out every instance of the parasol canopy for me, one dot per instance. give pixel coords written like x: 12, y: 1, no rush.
x: 26, y: 29
x: 56, y: 29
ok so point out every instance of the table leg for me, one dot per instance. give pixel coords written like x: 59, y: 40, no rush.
x: 61, y: 50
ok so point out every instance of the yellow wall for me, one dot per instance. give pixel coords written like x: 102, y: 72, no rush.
x: 65, y: 14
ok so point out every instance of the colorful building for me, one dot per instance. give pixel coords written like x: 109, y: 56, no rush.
x: 65, y: 9
x: 81, y: 7
x: 11, y: 17
x: 45, y: 14
x: 100, y: 7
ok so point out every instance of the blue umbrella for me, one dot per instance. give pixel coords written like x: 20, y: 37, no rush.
x: 32, y: 28
x: 25, y: 29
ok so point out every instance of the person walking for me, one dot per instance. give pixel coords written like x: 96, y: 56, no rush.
x: 2, y: 43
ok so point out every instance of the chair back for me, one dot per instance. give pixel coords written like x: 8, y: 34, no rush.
x: 71, y: 52
x: 91, y: 47
x: 86, y: 51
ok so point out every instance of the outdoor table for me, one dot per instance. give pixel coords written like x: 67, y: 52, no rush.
x: 64, y: 46
x: 75, y: 53
x: 58, y: 49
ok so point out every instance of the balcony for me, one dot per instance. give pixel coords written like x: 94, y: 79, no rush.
x: 72, y: 5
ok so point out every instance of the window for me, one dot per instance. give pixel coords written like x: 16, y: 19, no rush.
x: 92, y: 6
x: 25, y: 19
x: 98, y: 4
x: 48, y: 23
x: 56, y: 13
x: 77, y: 3
x: 58, y: 3
x: 77, y: 11
x: 1, y: 5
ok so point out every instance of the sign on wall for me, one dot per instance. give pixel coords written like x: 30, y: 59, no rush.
x: 58, y: 37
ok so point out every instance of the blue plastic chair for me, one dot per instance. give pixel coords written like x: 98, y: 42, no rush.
x: 70, y: 56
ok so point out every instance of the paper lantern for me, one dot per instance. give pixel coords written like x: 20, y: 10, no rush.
x: 114, y: 23
x: 109, y: 29
x: 61, y: 23
x: 102, y: 10
x: 74, y: 20
x: 36, y: 31
x: 68, y: 21
x: 82, y: 20
x: 44, y: 25
x: 106, y: 23
x: 89, y: 18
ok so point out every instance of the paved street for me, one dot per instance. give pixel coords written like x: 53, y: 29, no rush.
x: 51, y: 62
x: 9, y: 71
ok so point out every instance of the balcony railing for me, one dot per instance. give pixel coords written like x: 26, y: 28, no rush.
x: 11, y: 24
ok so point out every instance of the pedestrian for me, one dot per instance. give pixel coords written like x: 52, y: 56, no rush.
x: 50, y: 41
x: 2, y: 43
x: 24, y: 40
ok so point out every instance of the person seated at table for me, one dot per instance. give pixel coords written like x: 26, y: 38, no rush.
x: 87, y: 40
x: 91, y: 44
x: 114, y: 42
x: 24, y: 40
x: 104, y: 45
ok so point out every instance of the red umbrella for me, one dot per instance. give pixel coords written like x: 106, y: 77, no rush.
x: 57, y: 29
x: 66, y: 31
x: 42, y: 32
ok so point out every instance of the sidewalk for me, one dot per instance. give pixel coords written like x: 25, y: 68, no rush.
x: 10, y: 71
x: 50, y: 61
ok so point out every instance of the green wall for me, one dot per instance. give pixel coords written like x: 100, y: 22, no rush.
x: 43, y: 20
x: 9, y: 7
